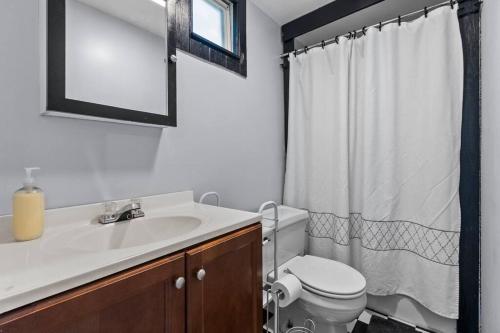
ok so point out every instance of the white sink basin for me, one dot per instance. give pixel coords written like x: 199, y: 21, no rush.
x: 132, y: 233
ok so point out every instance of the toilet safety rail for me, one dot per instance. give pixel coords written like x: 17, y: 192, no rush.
x: 274, y: 205
x: 309, y: 325
x: 267, y: 287
x: 208, y: 194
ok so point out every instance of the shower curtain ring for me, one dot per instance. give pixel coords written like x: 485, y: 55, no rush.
x: 426, y: 11
x: 399, y: 20
x: 323, y: 44
x: 295, y: 53
x: 364, y: 30
x: 305, y: 49
x: 337, y: 39
x: 452, y: 4
x: 380, y: 26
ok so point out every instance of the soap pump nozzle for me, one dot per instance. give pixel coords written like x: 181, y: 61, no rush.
x: 29, y: 181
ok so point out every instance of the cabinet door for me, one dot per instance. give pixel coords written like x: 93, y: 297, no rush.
x: 228, y: 296
x: 142, y: 299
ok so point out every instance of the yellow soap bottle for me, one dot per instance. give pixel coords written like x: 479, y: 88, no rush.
x: 28, y: 210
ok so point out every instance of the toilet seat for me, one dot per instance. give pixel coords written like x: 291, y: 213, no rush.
x: 332, y: 295
x: 327, y: 278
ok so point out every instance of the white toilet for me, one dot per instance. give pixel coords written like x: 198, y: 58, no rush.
x: 333, y: 294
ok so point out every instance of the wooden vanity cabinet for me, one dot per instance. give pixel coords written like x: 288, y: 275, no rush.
x: 146, y: 299
x: 224, y: 284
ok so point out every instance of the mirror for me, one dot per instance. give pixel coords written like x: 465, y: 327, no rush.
x: 112, y: 60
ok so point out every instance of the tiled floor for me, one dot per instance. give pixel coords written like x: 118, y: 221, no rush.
x: 374, y: 323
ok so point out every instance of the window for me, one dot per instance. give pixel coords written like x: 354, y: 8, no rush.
x: 214, y: 30
x: 213, y: 20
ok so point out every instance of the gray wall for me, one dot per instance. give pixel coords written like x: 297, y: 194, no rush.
x: 490, y: 173
x: 229, y: 139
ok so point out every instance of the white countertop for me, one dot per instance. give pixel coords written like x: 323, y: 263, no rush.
x: 31, y: 271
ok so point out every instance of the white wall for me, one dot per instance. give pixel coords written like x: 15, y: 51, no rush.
x: 229, y: 139
x: 490, y: 168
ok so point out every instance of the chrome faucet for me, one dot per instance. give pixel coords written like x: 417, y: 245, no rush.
x: 130, y: 211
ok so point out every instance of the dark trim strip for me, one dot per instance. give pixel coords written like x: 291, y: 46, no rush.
x: 288, y: 46
x: 214, y: 46
x: 323, y: 16
x: 470, y: 168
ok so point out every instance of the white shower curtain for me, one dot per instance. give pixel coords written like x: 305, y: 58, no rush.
x: 373, y: 154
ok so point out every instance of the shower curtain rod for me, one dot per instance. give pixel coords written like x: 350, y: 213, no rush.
x: 378, y: 25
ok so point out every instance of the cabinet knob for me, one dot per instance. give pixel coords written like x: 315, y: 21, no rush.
x: 200, y: 275
x: 180, y: 282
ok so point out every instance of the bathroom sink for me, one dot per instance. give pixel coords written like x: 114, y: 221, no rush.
x: 132, y: 233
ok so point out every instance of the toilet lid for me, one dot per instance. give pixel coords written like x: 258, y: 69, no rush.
x: 327, y: 276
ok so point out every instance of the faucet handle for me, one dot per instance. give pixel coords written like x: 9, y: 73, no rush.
x: 109, y: 214
x: 110, y: 208
x: 136, y: 206
x: 136, y: 203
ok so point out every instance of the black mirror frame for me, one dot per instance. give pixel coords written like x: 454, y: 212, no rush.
x: 56, y: 76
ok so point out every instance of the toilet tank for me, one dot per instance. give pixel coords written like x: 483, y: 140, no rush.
x: 291, y: 236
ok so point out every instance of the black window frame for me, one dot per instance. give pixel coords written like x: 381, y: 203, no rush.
x: 57, y: 103
x: 192, y: 43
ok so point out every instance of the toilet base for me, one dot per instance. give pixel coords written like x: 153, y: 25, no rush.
x: 331, y: 315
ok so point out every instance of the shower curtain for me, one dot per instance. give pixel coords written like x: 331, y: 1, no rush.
x: 374, y: 151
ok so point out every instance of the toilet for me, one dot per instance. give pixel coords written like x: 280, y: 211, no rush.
x: 333, y: 293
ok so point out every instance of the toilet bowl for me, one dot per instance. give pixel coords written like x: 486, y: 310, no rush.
x: 333, y: 294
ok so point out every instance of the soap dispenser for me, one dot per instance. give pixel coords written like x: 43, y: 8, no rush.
x: 28, y: 210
